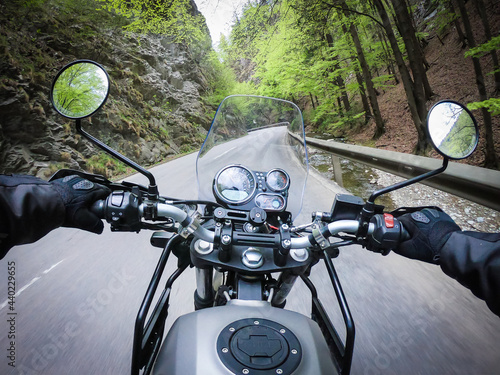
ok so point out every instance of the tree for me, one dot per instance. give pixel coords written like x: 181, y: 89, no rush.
x: 493, y: 53
x: 417, y: 107
x: 367, y: 76
x: 491, y: 160
x: 414, y: 51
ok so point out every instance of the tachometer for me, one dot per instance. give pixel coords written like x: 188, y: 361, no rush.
x: 235, y: 184
x: 277, y: 180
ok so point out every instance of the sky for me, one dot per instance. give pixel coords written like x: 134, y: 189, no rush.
x: 219, y: 15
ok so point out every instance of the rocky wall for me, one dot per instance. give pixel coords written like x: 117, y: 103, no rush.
x: 155, y: 107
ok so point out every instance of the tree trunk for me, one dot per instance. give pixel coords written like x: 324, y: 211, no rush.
x: 460, y: 33
x: 415, y: 111
x: 344, y: 97
x: 312, y: 100
x: 339, y: 105
x: 487, y: 31
x: 367, y: 76
x: 491, y: 160
x: 415, y: 53
x: 364, y: 99
x: 390, y: 62
x: 339, y: 81
x: 359, y: 79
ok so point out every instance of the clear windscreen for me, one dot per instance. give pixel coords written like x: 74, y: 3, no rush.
x: 257, y: 133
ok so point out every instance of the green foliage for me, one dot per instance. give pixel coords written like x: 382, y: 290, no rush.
x: 30, y: 3
x: 492, y: 105
x: 382, y: 81
x: 329, y: 120
x: 106, y: 165
x: 221, y: 79
x: 298, y: 50
x: 173, y: 18
x: 461, y: 137
x: 443, y: 19
x: 80, y: 90
x: 491, y: 45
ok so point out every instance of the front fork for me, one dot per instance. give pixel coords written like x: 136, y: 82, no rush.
x: 285, y: 285
x: 204, y: 294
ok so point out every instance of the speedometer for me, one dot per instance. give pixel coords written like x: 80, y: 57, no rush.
x: 235, y: 184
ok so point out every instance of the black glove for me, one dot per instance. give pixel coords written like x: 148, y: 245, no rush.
x: 429, y: 230
x: 77, y: 195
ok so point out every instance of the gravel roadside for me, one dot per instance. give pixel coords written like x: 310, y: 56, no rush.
x: 468, y: 215
x: 364, y: 180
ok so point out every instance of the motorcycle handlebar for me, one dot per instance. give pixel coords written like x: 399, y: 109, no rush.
x: 112, y: 210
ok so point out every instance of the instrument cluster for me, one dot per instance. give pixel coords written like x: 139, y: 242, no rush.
x: 241, y: 188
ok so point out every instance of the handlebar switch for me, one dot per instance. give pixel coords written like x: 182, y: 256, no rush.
x: 122, y: 211
x: 387, y: 233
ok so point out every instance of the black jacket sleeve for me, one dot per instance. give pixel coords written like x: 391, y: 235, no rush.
x: 473, y: 259
x: 29, y: 209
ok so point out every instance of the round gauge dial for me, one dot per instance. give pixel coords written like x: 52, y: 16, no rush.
x: 277, y: 180
x: 235, y: 184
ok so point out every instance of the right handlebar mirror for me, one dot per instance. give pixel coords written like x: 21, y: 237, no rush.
x: 452, y: 129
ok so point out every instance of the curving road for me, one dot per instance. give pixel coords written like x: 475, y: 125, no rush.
x: 78, y: 295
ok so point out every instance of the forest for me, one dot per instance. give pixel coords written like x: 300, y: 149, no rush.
x: 340, y: 58
x: 364, y: 71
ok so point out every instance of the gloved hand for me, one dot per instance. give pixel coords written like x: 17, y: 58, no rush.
x: 429, y: 230
x: 77, y: 195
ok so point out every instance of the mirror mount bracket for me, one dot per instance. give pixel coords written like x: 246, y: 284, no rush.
x: 152, y: 189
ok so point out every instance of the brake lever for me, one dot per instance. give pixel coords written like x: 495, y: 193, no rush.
x: 408, y: 210
x: 97, y: 178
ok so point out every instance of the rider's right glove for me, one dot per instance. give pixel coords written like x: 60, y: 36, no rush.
x: 429, y: 230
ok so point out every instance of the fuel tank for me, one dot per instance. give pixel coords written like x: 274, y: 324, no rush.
x: 244, y: 337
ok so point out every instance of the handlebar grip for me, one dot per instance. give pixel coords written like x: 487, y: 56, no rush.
x: 98, y: 208
x: 405, y: 235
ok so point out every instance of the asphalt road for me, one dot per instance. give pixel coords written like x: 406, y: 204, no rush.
x: 78, y: 296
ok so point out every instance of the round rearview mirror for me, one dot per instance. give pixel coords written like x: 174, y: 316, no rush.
x: 452, y: 129
x: 80, y: 89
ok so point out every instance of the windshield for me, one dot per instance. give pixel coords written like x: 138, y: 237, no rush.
x: 251, y: 150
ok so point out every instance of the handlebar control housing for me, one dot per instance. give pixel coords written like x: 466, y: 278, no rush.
x: 121, y: 210
x: 387, y: 235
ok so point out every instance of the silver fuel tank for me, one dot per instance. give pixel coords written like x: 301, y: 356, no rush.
x: 244, y: 337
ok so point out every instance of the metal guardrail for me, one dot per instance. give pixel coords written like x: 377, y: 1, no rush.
x: 477, y: 184
x: 269, y: 126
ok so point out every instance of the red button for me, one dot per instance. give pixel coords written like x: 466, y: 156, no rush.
x: 389, y: 220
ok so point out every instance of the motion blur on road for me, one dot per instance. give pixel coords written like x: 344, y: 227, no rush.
x: 78, y: 295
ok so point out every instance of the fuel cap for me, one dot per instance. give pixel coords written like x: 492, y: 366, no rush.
x: 259, y: 347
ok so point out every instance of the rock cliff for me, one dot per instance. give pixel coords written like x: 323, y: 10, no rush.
x: 155, y: 107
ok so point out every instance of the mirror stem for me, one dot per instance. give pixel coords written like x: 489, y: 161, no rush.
x: 369, y: 208
x: 152, y: 189
x: 411, y: 181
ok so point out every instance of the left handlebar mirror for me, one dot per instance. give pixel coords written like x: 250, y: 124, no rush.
x: 80, y: 89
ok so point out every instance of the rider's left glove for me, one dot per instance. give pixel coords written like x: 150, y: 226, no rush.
x: 78, y: 195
